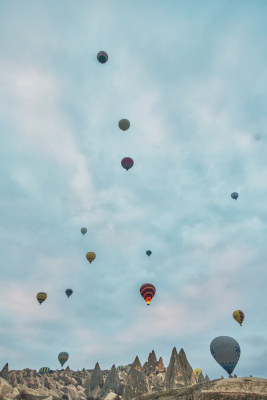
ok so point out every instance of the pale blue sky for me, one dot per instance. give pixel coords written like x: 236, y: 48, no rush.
x: 191, y: 78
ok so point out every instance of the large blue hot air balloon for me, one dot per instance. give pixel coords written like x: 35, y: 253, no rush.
x: 234, y: 195
x: 226, y: 351
x: 148, y: 252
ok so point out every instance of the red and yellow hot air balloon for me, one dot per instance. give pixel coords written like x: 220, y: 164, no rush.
x: 90, y: 256
x: 147, y: 291
x: 239, y: 316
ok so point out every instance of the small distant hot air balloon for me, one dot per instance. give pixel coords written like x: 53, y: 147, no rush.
x: 127, y: 163
x: 44, y: 370
x: 90, y: 256
x: 41, y: 296
x: 239, y: 316
x: 62, y: 357
x: 197, y: 372
x: 102, y: 57
x: 124, y: 124
x: 234, y: 195
x: 83, y: 230
x: 147, y: 291
x: 69, y: 292
x: 148, y: 252
x: 226, y: 351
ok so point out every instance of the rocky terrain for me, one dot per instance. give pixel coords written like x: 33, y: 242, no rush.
x: 150, y: 381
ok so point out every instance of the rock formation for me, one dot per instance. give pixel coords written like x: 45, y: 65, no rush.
x: 124, y: 383
x: 174, y: 375
x: 136, y: 381
x: 113, y: 383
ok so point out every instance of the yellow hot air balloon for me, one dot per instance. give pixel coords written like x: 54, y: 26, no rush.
x: 90, y: 256
x: 41, y: 296
x: 239, y: 316
x: 197, y: 372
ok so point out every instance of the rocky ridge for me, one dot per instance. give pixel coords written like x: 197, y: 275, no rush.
x: 125, y: 382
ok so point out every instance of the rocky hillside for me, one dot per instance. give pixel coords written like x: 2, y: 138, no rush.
x: 150, y: 381
x: 223, y: 389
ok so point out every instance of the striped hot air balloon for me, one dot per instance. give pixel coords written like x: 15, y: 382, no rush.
x: 127, y: 163
x: 44, y: 370
x: 147, y: 291
x: 239, y: 316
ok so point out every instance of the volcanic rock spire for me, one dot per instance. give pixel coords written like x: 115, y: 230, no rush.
x: 136, y: 381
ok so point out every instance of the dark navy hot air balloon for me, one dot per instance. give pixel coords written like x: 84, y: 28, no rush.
x: 234, y: 195
x: 69, y: 292
x: 147, y: 291
x: 127, y: 163
x: 148, y: 252
x: 124, y: 124
x: 226, y: 351
x: 102, y: 57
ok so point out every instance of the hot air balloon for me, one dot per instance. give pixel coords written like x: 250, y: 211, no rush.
x: 239, y: 316
x: 147, y: 291
x: 197, y: 372
x: 127, y: 163
x: 234, y: 195
x: 148, y: 252
x: 226, y: 351
x: 69, y: 292
x: 83, y: 230
x: 44, y: 370
x: 90, y: 256
x: 62, y: 357
x: 124, y: 124
x: 41, y: 296
x: 102, y: 57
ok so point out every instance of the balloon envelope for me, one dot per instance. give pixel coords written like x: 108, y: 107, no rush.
x: 226, y: 351
x: 234, y: 195
x: 102, y: 57
x: 148, y: 252
x: 127, y: 163
x: 69, y: 292
x: 44, y: 370
x: 197, y: 372
x: 83, y: 230
x: 90, y: 256
x: 62, y: 357
x: 239, y: 316
x: 147, y: 291
x: 41, y: 296
x: 124, y: 124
